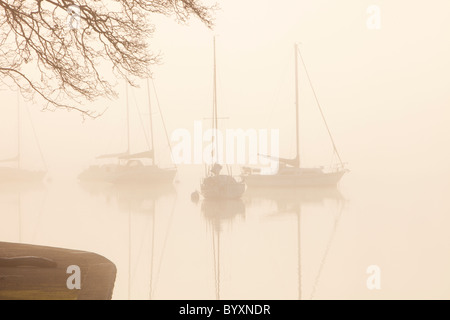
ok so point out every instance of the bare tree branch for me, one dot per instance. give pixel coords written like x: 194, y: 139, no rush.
x: 77, y: 46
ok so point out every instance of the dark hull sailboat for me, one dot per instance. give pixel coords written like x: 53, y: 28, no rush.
x: 222, y: 187
x: 216, y: 185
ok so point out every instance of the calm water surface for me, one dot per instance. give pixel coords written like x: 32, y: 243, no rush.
x: 272, y: 244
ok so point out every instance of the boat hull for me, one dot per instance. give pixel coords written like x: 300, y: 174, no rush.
x: 143, y: 175
x: 222, y: 187
x: 127, y: 175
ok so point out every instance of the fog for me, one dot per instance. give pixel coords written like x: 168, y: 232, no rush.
x: 385, y: 96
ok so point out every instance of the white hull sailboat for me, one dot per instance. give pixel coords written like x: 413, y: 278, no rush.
x: 216, y: 185
x: 135, y: 171
x: 290, y: 173
x: 137, y: 168
x: 15, y: 173
x: 294, y: 177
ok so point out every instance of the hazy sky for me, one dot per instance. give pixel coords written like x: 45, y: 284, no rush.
x: 384, y: 92
x: 386, y: 97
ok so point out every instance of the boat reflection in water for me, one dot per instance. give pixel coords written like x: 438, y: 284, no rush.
x: 149, y: 210
x: 141, y: 199
x: 298, y: 201
x: 37, y: 272
x: 25, y: 200
x: 289, y: 199
x: 219, y: 212
x: 130, y: 197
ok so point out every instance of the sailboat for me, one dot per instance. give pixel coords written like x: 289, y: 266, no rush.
x: 131, y: 167
x: 107, y: 163
x: 136, y: 170
x: 290, y: 172
x: 216, y: 185
x: 16, y: 174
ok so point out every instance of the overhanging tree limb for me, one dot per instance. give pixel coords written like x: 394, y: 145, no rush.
x: 45, y: 55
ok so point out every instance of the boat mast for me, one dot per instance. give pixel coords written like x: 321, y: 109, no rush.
x: 215, y: 117
x: 151, y: 122
x: 18, y: 129
x: 297, y: 134
x: 128, y: 118
x: 215, y: 125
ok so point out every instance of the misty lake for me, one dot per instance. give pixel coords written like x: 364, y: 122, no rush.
x: 271, y: 244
